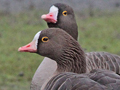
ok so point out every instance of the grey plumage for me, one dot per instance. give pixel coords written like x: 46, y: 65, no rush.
x: 95, y: 80
x: 103, y: 60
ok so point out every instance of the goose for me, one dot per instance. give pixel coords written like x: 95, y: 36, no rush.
x: 43, y: 73
x: 72, y: 64
x: 64, y: 18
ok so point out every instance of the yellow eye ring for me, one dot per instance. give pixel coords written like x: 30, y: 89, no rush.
x: 64, y: 13
x: 45, y: 39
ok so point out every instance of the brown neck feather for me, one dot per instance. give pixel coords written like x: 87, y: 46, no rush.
x: 72, y: 59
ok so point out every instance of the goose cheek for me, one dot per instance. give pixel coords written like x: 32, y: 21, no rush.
x: 28, y: 48
x: 49, y: 18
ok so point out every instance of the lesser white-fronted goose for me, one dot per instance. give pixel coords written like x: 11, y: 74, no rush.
x: 70, y: 57
x: 43, y: 73
x: 62, y: 16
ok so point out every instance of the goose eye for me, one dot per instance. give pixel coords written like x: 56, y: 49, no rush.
x: 64, y: 13
x: 45, y: 39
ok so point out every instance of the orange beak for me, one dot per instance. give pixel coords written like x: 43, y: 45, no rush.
x: 28, y: 48
x: 50, y: 17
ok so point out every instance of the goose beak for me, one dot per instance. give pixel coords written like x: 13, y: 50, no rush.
x: 28, y: 48
x: 50, y: 17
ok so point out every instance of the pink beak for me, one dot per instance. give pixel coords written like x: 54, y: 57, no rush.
x: 28, y: 48
x: 50, y: 17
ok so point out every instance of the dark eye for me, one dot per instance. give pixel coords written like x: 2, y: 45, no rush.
x: 45, y: 39
x: 64, y: 13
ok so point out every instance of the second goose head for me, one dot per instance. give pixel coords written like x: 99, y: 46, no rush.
x: 62, y: 16
x: 59, y: 46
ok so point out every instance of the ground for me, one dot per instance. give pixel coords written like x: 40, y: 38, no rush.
x: 96, y: 33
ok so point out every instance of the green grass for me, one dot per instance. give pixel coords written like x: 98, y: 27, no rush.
x: 16, y: 31
x: 99, y: 33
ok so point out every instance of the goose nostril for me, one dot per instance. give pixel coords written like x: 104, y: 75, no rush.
x: 51, y: 15
x: 28, y: 46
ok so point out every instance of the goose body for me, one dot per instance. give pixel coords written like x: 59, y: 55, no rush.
x: 103, y: 60
x: 70, y: 57
x: 95, y: 80
x: 68, y: 23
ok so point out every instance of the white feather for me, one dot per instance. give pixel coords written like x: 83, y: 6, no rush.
x: 36, y: 37
x: 54, y: 10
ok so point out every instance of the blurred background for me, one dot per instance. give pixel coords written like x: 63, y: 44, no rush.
x: 99, y: 30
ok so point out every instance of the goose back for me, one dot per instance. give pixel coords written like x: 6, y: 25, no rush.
x: 103, y: 60
x: 95, y: 80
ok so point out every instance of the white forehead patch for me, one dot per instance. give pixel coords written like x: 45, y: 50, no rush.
x: 36, y: 37
x: 54, y: 10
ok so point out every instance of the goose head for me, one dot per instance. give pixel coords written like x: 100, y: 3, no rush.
x: 62, y: 16
x: 59, y: 46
